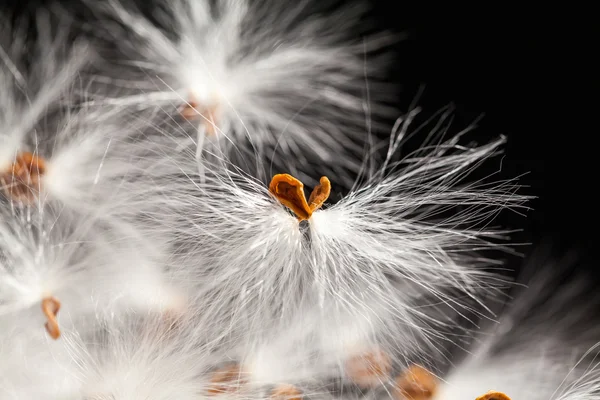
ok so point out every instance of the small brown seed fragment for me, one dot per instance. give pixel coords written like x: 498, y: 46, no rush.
x: 290, y: 192
x: 21, y: 181
x: 286, y: 392
x: 416, y: 383
x: 193, y: 111
x: 369, y: 369
x: 226, y: 380
x: 320, y: 194
x: 493, y: 395
x: 50, y: 308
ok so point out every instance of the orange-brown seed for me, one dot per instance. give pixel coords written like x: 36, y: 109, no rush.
x: 50, y: 308
x: 286, y: 392
x: 369, y: 369
x: 290, y: 192
x: 493, y: 395
x: 416, y: 383
x: 226, y: 380
x: 21, y: 181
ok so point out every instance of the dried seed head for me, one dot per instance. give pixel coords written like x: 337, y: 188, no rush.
x: 290, y: 192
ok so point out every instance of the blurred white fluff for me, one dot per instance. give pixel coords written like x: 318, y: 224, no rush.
x: 91, y: 267
x: 98, y: 162
x: 92, y: 159
x: 270, y: 73
x: 33, y: 366
x: 533, y: 374
x: 311, y: 351
x: 145, y: 357
x: 374, y: 257
x: 586, y: 385
x: 150, y: 357
x: 27, y: 93
x: 544, y: 346
x: 76, y: 239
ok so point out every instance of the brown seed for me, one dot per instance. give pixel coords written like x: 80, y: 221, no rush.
x: 21, y: 181
x: 416, y: 383
x: 493, y: 395
x: 369, y: 369
x: 320, y: 194
x: 286, y: 392
x: 50, y: 308
x: 226, y: 380
x: 193, y: 111
x: 290, y: 192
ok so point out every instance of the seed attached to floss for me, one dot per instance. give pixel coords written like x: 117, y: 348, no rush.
x: 50, y: 308
x: 493, y: 395
x: 192, y: 111
x: 226, y: 380
x: 290, y: 192
x: 286, y: 392
x: 21, y: 181
x: 416, y: 383
x: 369, y: 369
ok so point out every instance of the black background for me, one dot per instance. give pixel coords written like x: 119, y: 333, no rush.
x: 532, y: 73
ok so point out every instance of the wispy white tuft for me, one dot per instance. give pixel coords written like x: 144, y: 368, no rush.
x: 99, y: 162
x: 33, y: 366
x: 586, y: 385
x: 144, y: 357
x: 34, y: 75
x: 275, y: 76
x: 380, y: 263
x: 544, y: 346
x: 90, y: 266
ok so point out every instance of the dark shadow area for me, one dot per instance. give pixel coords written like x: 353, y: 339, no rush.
x: 533, y: 75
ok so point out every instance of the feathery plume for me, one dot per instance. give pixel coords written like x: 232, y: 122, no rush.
x: 253, y: 76
x: 375, y: 257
